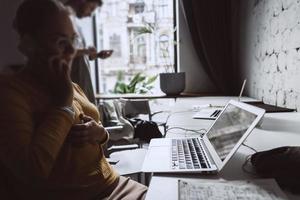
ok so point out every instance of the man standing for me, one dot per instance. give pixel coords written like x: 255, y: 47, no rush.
x: 80, y: 73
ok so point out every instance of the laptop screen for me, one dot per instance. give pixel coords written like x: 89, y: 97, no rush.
x: 229, y: 128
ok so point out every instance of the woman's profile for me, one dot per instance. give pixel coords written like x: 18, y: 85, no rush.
x: 51, y: 137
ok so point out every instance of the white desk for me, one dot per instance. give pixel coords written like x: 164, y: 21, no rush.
x: 130, y: 164
x: 182, y: 113
x: 130, y: 161
x: 277, y: 129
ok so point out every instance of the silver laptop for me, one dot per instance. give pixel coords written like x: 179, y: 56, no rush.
x: 210, y: 152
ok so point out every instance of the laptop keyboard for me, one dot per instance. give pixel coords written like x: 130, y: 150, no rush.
x: 215, y: 113
x: 188, y: 154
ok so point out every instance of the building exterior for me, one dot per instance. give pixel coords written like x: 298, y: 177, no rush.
x: 121, y: 26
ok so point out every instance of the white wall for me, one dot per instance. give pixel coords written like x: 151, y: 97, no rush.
x: 196, y: 78
x: 8, y: 49
x: 270, y: 50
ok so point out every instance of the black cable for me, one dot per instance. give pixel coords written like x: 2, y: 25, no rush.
x: 245, y: 164
x: 247, y: 161
x: 197, y: 131
x: 255, y: 151
x: 172, y: 113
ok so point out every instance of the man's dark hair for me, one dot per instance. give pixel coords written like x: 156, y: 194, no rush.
x: 79, y: 2
x: 32, y: 15
x: 96, y: 1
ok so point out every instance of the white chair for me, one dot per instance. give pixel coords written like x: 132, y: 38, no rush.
x: 132, y: 108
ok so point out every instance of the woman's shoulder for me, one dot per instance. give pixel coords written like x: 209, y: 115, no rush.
x: 78, y: 88
x: 11, y: 84
x: 7, y: 80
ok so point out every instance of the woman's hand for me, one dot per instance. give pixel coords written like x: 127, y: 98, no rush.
x: 60, y: 83
x: 87, y: 132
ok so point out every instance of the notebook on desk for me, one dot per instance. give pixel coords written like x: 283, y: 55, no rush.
x: 258, y: 189
x: 209, y: 153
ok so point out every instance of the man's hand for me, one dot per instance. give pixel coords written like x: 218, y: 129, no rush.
x: 89, y: 131
x: 92, y: 53
x: 105, y: 54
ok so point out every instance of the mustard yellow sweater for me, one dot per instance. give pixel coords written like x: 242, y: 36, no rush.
x: 37, y: 160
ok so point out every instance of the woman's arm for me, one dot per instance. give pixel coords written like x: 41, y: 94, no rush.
x: 27, y: 147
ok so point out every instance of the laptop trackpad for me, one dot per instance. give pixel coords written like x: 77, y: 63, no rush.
x: 161, y: 142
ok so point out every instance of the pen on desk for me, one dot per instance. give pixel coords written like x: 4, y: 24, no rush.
x: 197, y: 107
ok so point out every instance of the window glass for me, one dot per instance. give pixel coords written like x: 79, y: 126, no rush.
x: 136, y: 30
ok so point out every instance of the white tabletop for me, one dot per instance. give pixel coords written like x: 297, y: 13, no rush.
x: 130, y: 161
x: 277, y: 129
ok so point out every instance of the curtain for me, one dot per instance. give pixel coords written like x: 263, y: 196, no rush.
x: 214, y: 30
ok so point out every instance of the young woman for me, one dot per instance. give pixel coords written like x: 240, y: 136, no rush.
x: 50, y: 135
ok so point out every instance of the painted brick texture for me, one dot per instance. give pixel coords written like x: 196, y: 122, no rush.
x: 271, y: 50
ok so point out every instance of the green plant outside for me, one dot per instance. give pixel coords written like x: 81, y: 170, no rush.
x: 139, y: 84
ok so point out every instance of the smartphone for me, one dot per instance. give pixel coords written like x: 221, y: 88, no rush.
x: 102, y: 53
x: 109, y: 51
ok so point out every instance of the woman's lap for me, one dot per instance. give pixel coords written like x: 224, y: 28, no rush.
x: 127, y: 189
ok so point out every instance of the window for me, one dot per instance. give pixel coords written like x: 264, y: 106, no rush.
x: 115, y: 44
x: 141, y: 49
x: 139, y: 7
x: 162, y: 8
x: 121, y: 27
x: 164, y: 46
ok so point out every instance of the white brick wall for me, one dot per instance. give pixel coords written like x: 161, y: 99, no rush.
x: 271, y: 50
